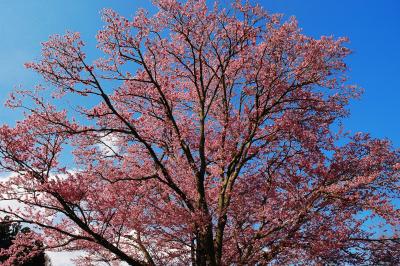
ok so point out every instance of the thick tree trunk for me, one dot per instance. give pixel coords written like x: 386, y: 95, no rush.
x: 205, y: 253
x: 219, y: 239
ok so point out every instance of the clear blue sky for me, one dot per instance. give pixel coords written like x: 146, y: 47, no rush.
x: 372, y: 26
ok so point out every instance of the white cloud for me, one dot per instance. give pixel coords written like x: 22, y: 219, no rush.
x: 109, y: 145
x: 6, y: 204
x: 5, y: 176
x: 63, y: 258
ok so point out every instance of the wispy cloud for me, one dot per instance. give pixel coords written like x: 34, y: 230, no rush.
x: 63, y: 258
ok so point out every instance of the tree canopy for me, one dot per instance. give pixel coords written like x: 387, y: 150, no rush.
x: 204, y: 136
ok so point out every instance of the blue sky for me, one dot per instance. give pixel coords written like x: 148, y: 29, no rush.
x: 372, y: 26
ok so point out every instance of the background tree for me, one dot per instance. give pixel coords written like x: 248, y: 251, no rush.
x: 208, y: 139
x: 19, y: 246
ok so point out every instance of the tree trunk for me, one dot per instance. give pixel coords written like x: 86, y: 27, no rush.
x: 205, y: 253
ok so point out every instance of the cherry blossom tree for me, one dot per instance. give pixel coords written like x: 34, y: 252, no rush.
x: 203, y: 136
x: 20, y: 246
